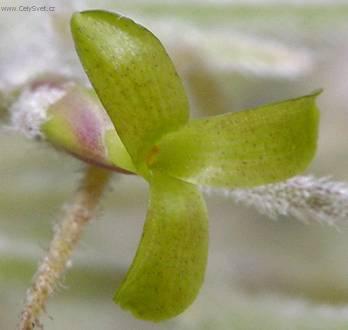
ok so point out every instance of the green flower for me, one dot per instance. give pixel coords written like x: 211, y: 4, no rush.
x: 153, y: 137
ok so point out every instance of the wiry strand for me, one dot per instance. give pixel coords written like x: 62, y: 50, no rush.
x: 67, y: 235
x: 305, y: 198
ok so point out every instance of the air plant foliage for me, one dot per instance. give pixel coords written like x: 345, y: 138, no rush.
x: 306, y: 198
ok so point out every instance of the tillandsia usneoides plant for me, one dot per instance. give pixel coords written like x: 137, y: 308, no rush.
x: 136, y: 121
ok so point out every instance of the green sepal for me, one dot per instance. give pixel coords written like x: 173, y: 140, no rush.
x: 116, y: 151
x: 133, y: 77
x: 169, y: 266
x: 267, y: 144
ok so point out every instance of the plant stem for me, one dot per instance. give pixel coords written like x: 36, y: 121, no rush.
x: 66, y: 237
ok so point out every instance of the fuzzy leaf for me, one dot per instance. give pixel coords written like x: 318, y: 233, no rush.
x: 253, y: 147
x: 169, y: 266
x: 133, y: 77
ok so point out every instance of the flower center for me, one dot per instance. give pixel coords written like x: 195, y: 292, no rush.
x: 152, y: 155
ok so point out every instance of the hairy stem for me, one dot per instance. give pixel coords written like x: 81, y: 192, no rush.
x: 66, y: 237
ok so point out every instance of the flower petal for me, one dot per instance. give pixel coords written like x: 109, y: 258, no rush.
x: 133, y: 77
x: 169, y: 266
x: 258, y: 146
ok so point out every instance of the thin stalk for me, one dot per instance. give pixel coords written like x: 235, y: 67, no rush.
x: 66, y: 237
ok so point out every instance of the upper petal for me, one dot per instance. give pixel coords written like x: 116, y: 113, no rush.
x: 133, y: 77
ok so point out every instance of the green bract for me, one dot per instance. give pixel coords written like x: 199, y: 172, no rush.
x: 140, y: 90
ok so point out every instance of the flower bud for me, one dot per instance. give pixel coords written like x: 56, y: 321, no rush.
x: 71, y: 118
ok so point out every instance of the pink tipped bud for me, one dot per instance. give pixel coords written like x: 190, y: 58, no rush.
x: 71, y: 118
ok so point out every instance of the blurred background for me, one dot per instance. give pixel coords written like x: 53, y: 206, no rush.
x: 262, y: 274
